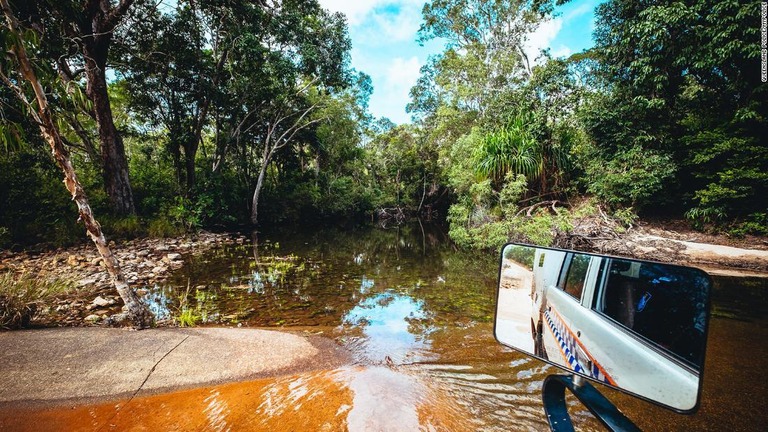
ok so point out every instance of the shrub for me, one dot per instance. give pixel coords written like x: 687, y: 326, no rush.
x: 632, y: 177
x: 187, y: 317
x: 22, y: 297
x: 126, y: 227
x: 756, y: 224
x: 163, y: 228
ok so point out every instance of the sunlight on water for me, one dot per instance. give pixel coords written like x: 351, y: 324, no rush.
x: 416, y: 316
x: 216, y: 412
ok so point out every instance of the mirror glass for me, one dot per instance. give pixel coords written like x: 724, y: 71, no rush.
x: 637, y: 326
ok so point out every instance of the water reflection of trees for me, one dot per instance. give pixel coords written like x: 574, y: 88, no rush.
x: 291, y: 277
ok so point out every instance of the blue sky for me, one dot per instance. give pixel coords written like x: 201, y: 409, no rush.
x: 384, y: 46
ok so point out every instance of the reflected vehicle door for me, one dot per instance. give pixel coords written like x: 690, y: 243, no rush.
x: 564, y: 316
x: 607, y: 344
x: 637, y: 325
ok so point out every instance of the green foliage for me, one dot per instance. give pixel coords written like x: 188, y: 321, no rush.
x: 625, y: 216
x: 405, y: 169
x: 11, y: 136
x: 520, y: 254
x: 700, y: 217
x: 513, y: 190
x: 474, y: 223
x: 161, y: 227
x: 756, y: 224
x: 187, y: 317
x: 34, y: 206
x: 632, y: 177
x: 488, y: 235
x: 509, y: 149
x: 23, y: 297
x: 186, y: 214
x: 152, y: 176
x: 123, y: 227
x: 542, y: 228
x: 676, y: 84
x: 663, y: 114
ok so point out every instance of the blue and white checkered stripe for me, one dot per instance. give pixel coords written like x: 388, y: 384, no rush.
x: 568, y: 343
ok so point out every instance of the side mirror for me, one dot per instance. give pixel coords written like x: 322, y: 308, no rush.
x: 637, y: 326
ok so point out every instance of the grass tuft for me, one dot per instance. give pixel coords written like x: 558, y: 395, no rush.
x: 23, y: 297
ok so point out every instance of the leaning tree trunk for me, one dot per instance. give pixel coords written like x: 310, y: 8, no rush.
x: 257, y: 191
x: 137, y: 311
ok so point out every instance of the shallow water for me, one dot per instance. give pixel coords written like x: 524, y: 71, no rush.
x: 416, y: 316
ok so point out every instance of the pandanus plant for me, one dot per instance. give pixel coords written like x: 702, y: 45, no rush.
x: 510, y: 148
x: 515, y: 148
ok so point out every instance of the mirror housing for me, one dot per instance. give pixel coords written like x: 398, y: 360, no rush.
x: 637, y: 326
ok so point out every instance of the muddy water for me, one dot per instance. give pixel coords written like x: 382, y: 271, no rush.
x: 416, y: 317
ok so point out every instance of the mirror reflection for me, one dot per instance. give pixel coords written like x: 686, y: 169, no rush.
x: 636, y: 325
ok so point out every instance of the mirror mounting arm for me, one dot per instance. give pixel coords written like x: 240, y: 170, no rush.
x: 553, y: 395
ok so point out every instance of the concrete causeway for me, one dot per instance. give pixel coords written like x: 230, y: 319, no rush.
x: 65, y: 365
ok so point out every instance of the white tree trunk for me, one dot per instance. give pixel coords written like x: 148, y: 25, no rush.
x: 257, y: 191
x: 138, y: 312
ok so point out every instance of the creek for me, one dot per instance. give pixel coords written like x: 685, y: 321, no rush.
x: 416, y: 316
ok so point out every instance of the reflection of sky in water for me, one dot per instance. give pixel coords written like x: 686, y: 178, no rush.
x: 158, y: 301
x: 366, y: 285
x: 385, y: 320
x: 255, y: 284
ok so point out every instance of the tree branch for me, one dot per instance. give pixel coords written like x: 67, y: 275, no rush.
x: 116, y: 13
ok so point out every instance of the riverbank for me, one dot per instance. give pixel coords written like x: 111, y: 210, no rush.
x: 672, y: 242
x: 92, y: 297
x: 148, y: 262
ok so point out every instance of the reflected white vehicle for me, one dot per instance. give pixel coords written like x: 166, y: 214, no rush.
x: 638, y: 326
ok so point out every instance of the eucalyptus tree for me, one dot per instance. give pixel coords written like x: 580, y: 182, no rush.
x: 28, y: 80
x: 283, y: 70
x: 172, y: 61
x: 484, y: 58
x: 484, y: 91
x: 335, y: 157
x: 406, y: 169
x: 76, y: 38
x: 248, y: 75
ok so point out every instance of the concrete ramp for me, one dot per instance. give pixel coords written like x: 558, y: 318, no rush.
x: 100, y: 363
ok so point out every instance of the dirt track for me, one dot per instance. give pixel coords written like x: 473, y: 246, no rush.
x: 657, y: 248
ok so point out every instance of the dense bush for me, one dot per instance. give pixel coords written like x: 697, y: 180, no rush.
x: 34, y: 205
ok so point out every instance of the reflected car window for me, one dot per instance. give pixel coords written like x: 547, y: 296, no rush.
x: 660, y: 303
x: 577, y: 272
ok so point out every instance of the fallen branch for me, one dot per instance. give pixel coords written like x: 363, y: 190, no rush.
x: 529, y: 210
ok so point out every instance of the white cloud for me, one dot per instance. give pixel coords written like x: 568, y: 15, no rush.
x: 383, y: 33
x: 403, y: 71
x: 542, y: 38
x: 391, y: 89
x: 399, y: 26
x: 357, y: 10
x: 581, y: 9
